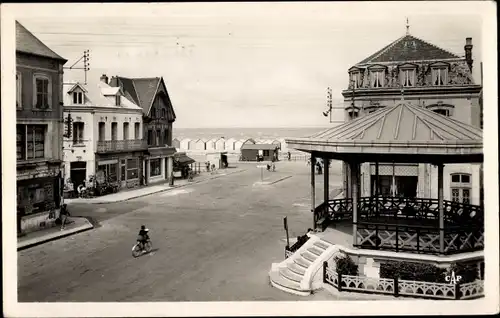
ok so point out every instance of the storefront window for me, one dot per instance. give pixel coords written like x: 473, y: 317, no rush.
x: 132, y: 171
x: 36, y: 197
x: 109, y: 171
x: 155, y: 165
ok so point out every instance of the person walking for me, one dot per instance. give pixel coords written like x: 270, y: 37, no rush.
x: 64, y: 215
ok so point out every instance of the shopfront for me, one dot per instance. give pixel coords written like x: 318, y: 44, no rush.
x: 38, y: 202
x: 125, y: 169
x: 159, y: 164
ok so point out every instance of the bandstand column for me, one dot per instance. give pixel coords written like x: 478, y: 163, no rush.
x: 377, y: 179
x: 354, y: 168
x: 326, y: 178
x: 313, y: 189
x: 440, y: 208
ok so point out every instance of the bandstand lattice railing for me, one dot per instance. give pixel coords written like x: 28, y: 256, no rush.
x: 409, y: 224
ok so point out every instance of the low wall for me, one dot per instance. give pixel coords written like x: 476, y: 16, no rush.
x: 38, y: 221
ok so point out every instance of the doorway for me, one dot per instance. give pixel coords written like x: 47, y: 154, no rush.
x: 78, y: 172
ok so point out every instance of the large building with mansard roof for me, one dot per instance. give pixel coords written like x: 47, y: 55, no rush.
x: 424, y: 75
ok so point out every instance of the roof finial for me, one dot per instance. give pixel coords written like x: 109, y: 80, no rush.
x: 407, y: 27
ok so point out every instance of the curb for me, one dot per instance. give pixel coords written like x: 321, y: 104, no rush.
x: 77, y: 230
x: 164, y: 190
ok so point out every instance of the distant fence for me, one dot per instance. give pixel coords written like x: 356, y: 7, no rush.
x: 294, y: 157
x: 398, y: 287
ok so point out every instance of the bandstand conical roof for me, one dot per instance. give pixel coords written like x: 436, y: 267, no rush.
x: 404, y: 130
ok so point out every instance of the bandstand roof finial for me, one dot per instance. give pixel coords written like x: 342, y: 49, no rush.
x: 407, y: 27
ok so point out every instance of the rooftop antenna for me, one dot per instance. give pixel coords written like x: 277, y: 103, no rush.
x: 86, y: 65
x: 407, y: 27
x: 329, y: 103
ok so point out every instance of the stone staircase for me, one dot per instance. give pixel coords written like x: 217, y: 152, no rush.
x: 295, y: 274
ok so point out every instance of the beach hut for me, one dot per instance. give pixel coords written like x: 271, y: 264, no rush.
x: 219, y: 159
x: 184, y: 144
x: 176, y: 143
x: 229, y: 144
x: 277, y: 143
x: 250, y: 152
x: 283, y: 146
x: 210, y: 144
x: 238, y: 144
x: 248, y: 141
x: 220, y: 144
x: 199, y: 144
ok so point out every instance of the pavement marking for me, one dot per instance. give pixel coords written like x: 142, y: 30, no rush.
x: 177, y: 192
x: 301, y: 204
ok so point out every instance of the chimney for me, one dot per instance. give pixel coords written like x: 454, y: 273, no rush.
x: 468, y: 52
x: 104, y: 78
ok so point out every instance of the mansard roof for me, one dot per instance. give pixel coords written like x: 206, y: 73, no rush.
x: 408, y: 48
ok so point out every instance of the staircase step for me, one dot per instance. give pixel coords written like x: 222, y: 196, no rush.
x: 285, y: 272
x: 296, y: 269
x: 287, y: 285
x: 302, y: 262
x: 308, y: 256
x: 315, y: 251
x: 322, y: 245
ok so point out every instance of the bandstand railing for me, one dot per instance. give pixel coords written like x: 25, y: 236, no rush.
x: 409, y: 224
x: 398, y: 287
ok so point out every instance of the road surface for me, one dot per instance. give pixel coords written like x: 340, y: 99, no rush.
x: 213, y: 241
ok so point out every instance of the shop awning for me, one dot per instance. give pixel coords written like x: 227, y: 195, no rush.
x: 184, y: 159
x: 161, y: 151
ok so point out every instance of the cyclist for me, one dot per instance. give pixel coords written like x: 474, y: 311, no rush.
x: 143, y: 236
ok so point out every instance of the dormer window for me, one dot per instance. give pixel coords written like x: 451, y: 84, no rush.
x: 407, y: 77
x: 78, y: 98
x: 377, y: 78
x: 355, y: 79
x: 439, y: 74
x: 117, y: 100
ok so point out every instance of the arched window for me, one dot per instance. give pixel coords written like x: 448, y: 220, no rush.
x: 460, y: 187
x: 442, y: 109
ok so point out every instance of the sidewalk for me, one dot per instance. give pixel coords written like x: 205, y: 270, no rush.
x: 76, y: 225
x: 126, y: 195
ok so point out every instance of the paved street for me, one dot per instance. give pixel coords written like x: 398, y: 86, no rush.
x: 213, y: 241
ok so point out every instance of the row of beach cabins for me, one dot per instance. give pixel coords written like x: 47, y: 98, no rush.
x: 238, y: 149
x: 230, y: 145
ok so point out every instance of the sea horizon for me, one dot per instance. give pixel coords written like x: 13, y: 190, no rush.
x: 245, y: 132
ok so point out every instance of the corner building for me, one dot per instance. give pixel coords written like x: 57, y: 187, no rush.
x: 424, y: 75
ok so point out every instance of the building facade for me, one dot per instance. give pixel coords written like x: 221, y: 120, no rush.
x: 158, y: 117
x: 105, y: 140
x: 39, y: 74
x: 425, y: 75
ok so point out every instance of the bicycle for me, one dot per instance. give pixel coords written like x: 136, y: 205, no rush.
x: 139, y: 249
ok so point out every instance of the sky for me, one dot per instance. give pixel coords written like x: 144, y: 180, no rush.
x: 245, y: 64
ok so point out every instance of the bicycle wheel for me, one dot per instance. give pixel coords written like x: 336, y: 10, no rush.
x: 136, y: 250
x: 148, y: 246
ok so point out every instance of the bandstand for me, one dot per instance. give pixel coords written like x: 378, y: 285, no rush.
x: 402, y: 134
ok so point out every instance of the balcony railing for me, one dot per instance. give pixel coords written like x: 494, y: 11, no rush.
x: 121, y: 145
x: 409, y: 224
